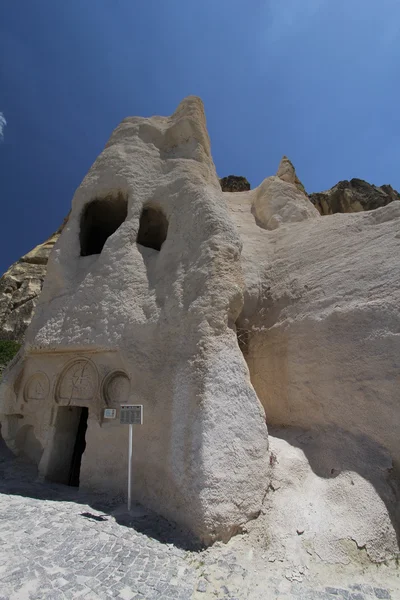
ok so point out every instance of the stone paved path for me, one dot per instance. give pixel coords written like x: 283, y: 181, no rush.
x: 56, y: 543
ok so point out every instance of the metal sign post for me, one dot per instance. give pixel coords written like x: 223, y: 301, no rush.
x: 130, y: 457
x: 131, y: 414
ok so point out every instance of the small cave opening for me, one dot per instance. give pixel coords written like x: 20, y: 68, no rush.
x: 153, y: 228
x: 100, y: 219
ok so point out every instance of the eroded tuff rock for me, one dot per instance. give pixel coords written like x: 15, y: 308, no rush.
x: 287, y: 172
x: 22, y: 282
x: 141, y: 293
x: 281, y: 199
x: 234, y: 183
x: 351, y: 196
x: 207, y: 308
x: 320, y: 340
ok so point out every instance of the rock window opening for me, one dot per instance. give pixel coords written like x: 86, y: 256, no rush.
x: 100, y: 219
x: 153, y: 228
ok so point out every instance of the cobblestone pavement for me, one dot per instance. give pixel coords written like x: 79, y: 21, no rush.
x: 56, y: 543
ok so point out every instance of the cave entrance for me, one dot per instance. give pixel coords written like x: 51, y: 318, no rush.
x: 68, y: 445
x: 153, y: 228
x: 100, y: 219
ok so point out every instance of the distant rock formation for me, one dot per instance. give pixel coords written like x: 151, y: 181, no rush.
x: 287, y: 172
x: 281, y: 199
x: 351, y: 196
x: 20, y: 287
x: 233, y: 183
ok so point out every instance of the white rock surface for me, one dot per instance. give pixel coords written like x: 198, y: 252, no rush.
x: 312, y: 302
x: 165, y: 319
x: 320, y: 333
x: 281, y: 199
x: 330, y: 498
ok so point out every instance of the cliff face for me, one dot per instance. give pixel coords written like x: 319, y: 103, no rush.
x: 353, y: 196
x: 20, y: 287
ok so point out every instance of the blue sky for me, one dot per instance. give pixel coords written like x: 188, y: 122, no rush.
x: 318, y: 80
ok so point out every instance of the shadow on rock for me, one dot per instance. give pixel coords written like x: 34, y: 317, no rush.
x: 331, y: 451
x: 19, y: 477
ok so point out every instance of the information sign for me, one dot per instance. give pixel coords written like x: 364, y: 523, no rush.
x: 131, y: 414
x: 110, y: 413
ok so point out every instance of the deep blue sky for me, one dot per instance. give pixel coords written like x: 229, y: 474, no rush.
x: 318, y: 80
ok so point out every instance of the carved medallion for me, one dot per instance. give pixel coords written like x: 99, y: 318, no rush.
x: 37, y: 387
x: 78, y: 382
x: 116, y: 387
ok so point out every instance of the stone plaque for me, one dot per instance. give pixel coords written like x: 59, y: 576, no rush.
x: 116, y: 388
x: 78, y: 383
x: 37, y: 387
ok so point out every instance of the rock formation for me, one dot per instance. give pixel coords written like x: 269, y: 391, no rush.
x: 353, y: 196
x: 210, y: 307
x: 286, y: 172
x: 233, y: 183
x: 319, y: 330
x: 139, y: 303
x: 20, y: 287
x: 281, y: 199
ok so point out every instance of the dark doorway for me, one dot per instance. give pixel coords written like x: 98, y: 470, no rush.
x: 79, y: 449
x: 68, y: 445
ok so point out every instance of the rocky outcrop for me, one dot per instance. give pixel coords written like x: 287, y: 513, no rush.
x: 234, y: 183
x: 351, y: 196
x: 20, y: 287
x: 281, y: 199
x: 287, y: 172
